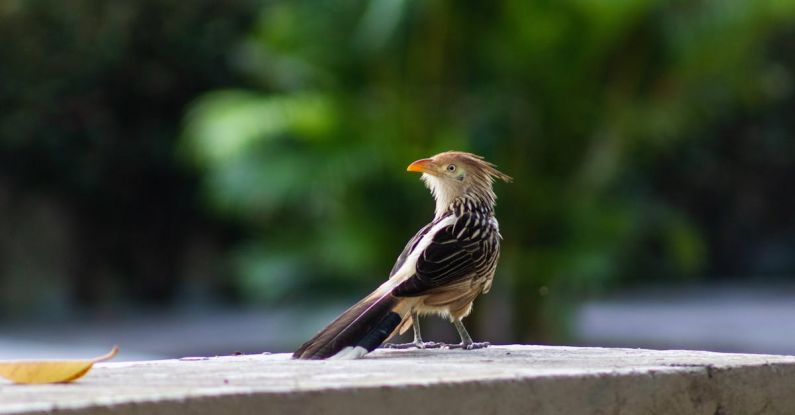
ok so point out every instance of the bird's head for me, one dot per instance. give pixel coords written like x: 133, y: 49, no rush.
x: 453, y: 174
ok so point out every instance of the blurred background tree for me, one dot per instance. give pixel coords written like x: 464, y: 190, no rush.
x: 252, y: 152
x: 95, y: 208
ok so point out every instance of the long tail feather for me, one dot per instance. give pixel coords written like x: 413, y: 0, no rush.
x: 366, y: 324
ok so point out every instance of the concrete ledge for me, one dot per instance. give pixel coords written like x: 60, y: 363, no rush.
x: 504, y: 379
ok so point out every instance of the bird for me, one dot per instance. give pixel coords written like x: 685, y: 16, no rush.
x: 441, y: 270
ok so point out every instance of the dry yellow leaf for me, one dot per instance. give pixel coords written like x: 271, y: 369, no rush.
x: 50, y: 371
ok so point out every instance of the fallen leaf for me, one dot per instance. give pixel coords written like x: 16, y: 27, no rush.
x: 50, y: 371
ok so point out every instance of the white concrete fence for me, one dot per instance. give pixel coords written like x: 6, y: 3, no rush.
x: 498, y: 380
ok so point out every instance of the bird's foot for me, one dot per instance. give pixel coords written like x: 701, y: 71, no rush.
x: 470, y: 346
x: 413, y: 345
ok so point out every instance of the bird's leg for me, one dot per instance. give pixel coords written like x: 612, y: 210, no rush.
x: 417, y: 343
x: 466, y: 340
x: 418, y: 336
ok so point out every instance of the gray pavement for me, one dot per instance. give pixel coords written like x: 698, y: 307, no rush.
x: 752, y: 319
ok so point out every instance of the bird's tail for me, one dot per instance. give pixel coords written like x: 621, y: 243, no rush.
x: 360, y: 329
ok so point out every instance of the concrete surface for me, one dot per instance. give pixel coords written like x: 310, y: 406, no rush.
x: 504, y: 379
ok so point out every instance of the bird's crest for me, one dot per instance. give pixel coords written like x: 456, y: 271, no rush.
x: 475, y: 161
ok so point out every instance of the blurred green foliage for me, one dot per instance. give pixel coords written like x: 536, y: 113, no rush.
x: 95, y: 208
x: 255, y: 150
x: 581, y: 101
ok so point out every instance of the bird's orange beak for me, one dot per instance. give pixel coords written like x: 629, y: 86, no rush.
x: 420, y: 166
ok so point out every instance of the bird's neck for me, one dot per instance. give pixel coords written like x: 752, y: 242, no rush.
x: 466, y: 203
x: 479, y: 196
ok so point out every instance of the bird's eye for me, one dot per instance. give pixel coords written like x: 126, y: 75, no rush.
x: 451, y: 167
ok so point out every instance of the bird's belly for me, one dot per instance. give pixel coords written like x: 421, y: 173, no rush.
x: 455, y: 301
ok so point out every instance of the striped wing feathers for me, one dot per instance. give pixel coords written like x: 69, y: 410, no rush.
x: 464, y: 250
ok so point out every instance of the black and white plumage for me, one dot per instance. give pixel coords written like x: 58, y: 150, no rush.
x: 442, y: 269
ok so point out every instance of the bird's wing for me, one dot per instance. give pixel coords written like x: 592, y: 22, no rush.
x: 458, y: 251
x: 412, y: 244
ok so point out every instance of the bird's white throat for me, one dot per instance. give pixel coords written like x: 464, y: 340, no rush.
x: 443, y: 195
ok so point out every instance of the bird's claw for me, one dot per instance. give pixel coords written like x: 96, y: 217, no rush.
x: 429, y: 345
x: 413, y: 345
x: 471, y: 346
